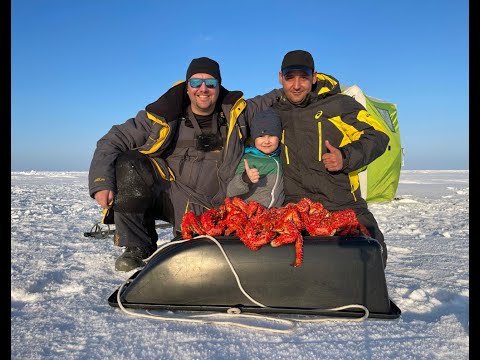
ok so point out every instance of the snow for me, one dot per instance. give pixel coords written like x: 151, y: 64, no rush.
x: 61, y: 280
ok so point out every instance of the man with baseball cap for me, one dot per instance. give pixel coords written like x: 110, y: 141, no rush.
x: 328, y: 138
x: 177, y: 155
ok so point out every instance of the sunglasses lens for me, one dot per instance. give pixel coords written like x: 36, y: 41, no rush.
x: 210, y: 83
x: 195, y: 83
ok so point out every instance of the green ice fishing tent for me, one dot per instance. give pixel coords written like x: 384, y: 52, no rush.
x: 379, y: 180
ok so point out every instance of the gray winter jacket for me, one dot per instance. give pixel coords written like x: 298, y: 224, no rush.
x: 152, y: 132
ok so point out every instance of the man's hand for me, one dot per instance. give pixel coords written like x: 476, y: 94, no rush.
x: 253, y: 174
x: 104, y: 198
x: 333, y: 160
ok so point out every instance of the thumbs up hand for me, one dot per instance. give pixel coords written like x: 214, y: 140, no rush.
x: 332, y: 160
x: 252, y: 173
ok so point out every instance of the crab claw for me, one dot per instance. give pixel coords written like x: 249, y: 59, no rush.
x: 191, y: 224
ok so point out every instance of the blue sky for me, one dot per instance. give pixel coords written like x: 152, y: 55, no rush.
x: 79, y: 67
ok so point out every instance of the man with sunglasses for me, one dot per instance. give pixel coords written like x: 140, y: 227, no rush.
x: 177, y: 155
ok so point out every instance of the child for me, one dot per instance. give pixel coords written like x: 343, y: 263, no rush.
x: 258, y: 176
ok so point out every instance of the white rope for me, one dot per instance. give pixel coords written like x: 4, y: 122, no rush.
x: 192, y: 319
x: 235, y: 312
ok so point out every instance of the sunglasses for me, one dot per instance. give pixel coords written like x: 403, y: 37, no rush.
x: 209, y: 83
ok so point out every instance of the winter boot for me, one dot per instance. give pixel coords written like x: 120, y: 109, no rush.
x: 133, y: 257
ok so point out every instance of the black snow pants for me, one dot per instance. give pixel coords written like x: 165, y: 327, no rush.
x: 142, y: 197
x: 366, y: 218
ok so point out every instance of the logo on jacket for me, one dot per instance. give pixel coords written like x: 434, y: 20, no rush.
x: 318, y: 114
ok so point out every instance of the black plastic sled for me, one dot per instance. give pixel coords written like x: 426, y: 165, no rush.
x: 195, y: 275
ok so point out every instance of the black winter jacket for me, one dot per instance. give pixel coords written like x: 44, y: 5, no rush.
x: 327, y: 115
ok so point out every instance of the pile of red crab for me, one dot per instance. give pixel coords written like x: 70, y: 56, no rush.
x: 255, y: 225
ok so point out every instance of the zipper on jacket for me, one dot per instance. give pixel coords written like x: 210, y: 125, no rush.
x: 319, y: 141
x: 272, y: 193
x: 285, y: 147
x: 352, y: 186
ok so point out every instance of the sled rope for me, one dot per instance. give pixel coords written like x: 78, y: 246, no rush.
x: 235, y: 312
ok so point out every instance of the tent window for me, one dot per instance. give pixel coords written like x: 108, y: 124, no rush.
x: 386, y: 117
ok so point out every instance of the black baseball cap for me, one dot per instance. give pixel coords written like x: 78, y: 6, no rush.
x: 298, y: 60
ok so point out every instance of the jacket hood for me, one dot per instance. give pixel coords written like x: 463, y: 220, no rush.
x: 326, y: 84
x: 173, y: 103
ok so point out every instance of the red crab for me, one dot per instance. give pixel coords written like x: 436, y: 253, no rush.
x: 207, y: 223
x: 287, y: 223
x: 255, y: 225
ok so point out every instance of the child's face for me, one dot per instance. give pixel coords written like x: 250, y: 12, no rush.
x: 267, y: 143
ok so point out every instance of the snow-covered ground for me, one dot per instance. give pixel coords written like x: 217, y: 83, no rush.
x: 61, y: 280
